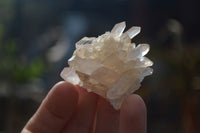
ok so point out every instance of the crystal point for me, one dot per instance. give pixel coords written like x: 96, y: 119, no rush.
x: 144, y: 49
x: 133, y: 31
x: 118, y: 28
x: 109, y: 65
x: 70, y: 75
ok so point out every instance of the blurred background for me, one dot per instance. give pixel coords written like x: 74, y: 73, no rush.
x: 38, y: 36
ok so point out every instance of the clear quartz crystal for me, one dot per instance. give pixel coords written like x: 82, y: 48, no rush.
x: 133, y: 31
x: 118, y: 29
x: 109, y: 65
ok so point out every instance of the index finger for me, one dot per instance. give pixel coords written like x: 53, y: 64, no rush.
x: 55, y: 110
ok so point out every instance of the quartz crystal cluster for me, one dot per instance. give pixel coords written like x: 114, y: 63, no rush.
x: 109, y: 65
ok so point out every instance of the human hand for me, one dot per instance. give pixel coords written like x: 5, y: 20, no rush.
x: 71, y: 109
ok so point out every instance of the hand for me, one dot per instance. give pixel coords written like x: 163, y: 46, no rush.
x: 71, y: 109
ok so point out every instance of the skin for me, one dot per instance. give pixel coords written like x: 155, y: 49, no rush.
x: 71, y: 109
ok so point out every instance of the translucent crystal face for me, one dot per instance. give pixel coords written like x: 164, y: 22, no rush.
x: 109, y: 65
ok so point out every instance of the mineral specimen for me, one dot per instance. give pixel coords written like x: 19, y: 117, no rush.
x: 109, y: 65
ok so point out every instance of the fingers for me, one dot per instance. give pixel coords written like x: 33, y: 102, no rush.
x: 82, y: 121
x: 70, y: 111
x: 133, y: 115
x: 107, y: 118
x: 56, y: 109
